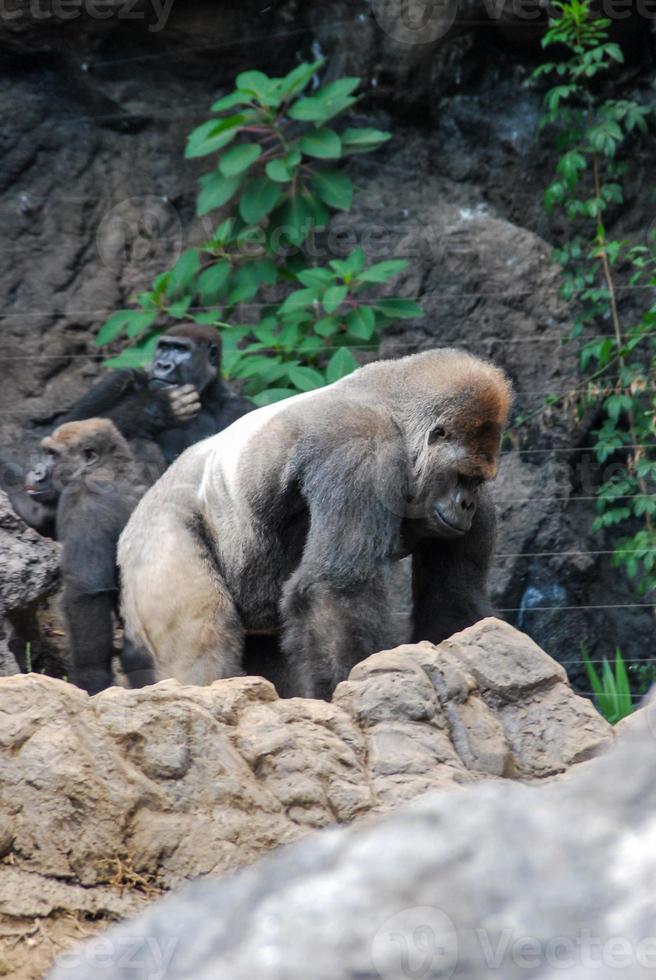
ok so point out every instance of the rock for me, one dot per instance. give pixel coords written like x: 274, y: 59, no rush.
x: 553, y: 881
x: 30, y: 571
x: 174, y: 782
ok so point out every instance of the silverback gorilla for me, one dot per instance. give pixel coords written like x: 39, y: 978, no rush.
x: 291, y: 519
x: 99, y: 484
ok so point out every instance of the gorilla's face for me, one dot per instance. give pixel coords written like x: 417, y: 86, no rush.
x: 450, y: 469
x: 39, y: 482
x: 183, y: 361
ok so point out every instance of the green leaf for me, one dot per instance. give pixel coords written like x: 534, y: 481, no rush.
x: 306, y: 379
x: 278, y: 171
x: 349, y: 268
x: 216, y: 190
x: 239, y: 158
x: 340, y: 364
x: 209, y: 318
x: 334, y: 188
x: 382, y: 271
x: 213, y: 135
x: 298, y: 78
x: 593, y: 677
x: 300, y: 299
x: 140, y: 322
x: 114, y: 326
x: 178, y: 310
x: 211, y: 283
x: 363, y: 140
x: 283, y: 169
x: 271, y: 395
x: 322, y: 143
x: 316, y: 277
x: 330, y: 100
x: 327, y: 326
x: 183, y: 273
x: 259, y: 197
x: 361, y: 322
x: 333, y: 298
x: 295, y: 219
x: 259, y: 85
x: 229, y: 101
x: 398, y: 309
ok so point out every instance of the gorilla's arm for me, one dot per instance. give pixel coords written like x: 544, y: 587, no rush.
x: 449, y: 579
x: 229, y: 407
x: 125, y: 398
x: 335, y: 607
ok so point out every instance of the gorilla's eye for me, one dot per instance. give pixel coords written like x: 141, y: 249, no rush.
x: 213, y: 354
x: 90, y: 455
x: 439, y: 432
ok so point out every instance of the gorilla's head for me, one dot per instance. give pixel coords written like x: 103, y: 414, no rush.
x: 456, y: 410
x: 90, y: 448
x: 186, y: 355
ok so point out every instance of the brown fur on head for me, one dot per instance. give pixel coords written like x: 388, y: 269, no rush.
x: 467, y: 396
x: 93, y: 446
x: 195, y: 331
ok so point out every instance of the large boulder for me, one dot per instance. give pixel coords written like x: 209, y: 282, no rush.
x: 506, y: 880
x: 30, y: 571
x: 144, y: 789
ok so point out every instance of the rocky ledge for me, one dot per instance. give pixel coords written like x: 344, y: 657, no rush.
x: 106, y: 801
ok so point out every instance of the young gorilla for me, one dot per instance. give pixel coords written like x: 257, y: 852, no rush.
x: 99, y: 483
x: 177, y: 401
x: 292, y: 518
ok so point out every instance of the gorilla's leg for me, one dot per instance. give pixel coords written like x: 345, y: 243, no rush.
x: 176, y: 606
x: 90, y: 636
x: 137, y: 664
x: 329, y: 629
x: 449, y: 580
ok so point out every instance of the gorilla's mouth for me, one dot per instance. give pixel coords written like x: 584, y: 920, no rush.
x: 162, y: 383
x: 33, y: 491
x: 448, y: 527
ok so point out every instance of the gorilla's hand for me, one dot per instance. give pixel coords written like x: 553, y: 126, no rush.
x: 184, y: 402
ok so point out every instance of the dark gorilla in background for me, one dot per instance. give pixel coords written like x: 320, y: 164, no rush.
x: 177, y: 401
x: 161, y: 410
x: 291, y: 520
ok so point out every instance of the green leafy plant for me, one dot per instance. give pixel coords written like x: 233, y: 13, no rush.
x: 611, y: 689
x: 277, y: 180
x: 620, y: 368
x: 644, y: 675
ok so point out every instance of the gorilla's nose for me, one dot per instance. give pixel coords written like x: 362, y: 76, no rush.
x: 164, y: 368
x: 466, y: 501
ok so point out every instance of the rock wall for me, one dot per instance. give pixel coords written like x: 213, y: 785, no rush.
x: 105, y: 801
